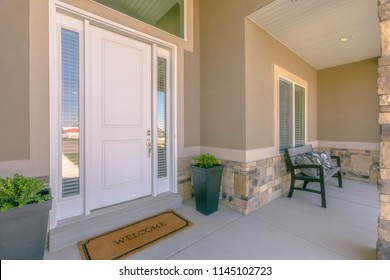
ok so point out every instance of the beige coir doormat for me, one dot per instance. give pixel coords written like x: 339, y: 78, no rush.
x: 122, y: 242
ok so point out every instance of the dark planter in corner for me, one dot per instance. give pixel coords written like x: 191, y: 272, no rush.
x: 23, y: 228
x: 207, y: 184
x: 23, y: 232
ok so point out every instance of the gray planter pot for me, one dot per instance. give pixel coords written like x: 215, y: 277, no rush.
x: 207, y: 185
x: 23, y: 232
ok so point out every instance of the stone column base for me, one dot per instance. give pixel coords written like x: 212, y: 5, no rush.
x: 383, y: 250
x: 383, y: 243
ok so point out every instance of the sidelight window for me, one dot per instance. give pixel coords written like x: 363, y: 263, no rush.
x: 70, y: 113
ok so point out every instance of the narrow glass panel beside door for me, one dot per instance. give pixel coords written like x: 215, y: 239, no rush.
x: 70, y: 113
x: 162, y: 118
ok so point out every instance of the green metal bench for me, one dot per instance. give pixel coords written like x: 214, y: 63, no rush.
x: 298, y: 175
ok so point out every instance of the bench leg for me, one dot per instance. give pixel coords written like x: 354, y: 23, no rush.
x: 340, y: 179
x: 323, y: 198
x: 292, y: 185
x: 305, y: 184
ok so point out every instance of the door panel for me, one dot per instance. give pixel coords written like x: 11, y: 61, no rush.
x: 128, y: 155
x: 120, y: 116
x: 122, y: 78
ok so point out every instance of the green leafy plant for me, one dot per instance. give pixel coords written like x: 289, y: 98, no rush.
x: 19, y: 190
x: 206, y: 161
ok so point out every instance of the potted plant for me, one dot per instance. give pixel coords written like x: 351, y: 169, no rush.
x: 206, y: 177
x: 24, y: 213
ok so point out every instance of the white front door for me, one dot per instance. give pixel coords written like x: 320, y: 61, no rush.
x: 119, y: 119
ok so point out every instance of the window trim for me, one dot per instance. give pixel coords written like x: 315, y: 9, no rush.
x: 165, y: 183
x: 290, y: 77
x: 76, y: 202
x: 80, y: 94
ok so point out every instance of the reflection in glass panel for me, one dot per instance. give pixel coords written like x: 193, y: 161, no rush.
x: 70, y: 113
x: 167, y: 15
x: 162, y: 117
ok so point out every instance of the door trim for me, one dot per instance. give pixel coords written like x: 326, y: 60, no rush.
x: 57, y: 7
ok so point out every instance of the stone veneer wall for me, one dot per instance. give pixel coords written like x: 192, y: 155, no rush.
x: 360, y: 165
x: 383, y: 244
x: 245, y: 186
x: 184, y: 184
x: 248, y: 186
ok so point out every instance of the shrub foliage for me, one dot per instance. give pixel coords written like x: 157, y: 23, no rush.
x: 19, y: 190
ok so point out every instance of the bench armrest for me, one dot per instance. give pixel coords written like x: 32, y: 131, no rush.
x: 338, y: 159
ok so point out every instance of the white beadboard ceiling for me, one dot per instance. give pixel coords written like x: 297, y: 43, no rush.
x: 149, y: 11
x: 312, y: 29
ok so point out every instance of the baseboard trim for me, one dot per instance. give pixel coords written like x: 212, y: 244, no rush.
x: 350, y: 145
x: 269, y: 152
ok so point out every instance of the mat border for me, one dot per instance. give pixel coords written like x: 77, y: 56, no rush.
x: 84, y: 250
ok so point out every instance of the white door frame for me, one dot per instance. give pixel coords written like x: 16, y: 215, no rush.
x: 159, y: 46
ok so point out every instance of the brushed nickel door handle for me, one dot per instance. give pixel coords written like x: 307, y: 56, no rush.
x: 149, y: 146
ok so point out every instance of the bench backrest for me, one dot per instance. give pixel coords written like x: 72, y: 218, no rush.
x: 292, y: 153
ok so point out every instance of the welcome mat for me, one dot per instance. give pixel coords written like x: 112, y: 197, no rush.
x: 122, y: 242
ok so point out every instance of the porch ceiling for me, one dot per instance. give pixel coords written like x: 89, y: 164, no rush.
x: 150, y: 11
x: 313, y: 29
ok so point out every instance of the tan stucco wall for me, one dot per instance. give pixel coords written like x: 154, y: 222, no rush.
x: 262, y: 53
x: 14, y: 80
x: 348, y: 103
x: 192, y: 87
x: 26, y: 125
x: 222, y: 62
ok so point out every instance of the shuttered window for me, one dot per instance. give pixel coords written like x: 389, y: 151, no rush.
x: 285, y: 115
x: 292, y: 115
x: 162, y: 117
x: 70, y: 116
x: 299, y: 116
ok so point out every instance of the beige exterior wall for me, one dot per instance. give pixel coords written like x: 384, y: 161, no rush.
x: 237, y: 78
x: 14, y: 81
x: 192, y: 86
x: 347, y: 96
x: 24, y: 115
x: 222, y: 61
x: 263, y: 52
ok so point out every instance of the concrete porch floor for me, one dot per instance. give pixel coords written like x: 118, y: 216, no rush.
x: 294, y: 228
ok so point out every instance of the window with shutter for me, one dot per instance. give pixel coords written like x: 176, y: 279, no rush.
x: 299, y: 116
x: 292, y: 114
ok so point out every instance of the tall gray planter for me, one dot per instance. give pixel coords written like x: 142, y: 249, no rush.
x: 23, y: 232
x: 207, y: 185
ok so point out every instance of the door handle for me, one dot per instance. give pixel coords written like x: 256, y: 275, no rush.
x: 149, y: 146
